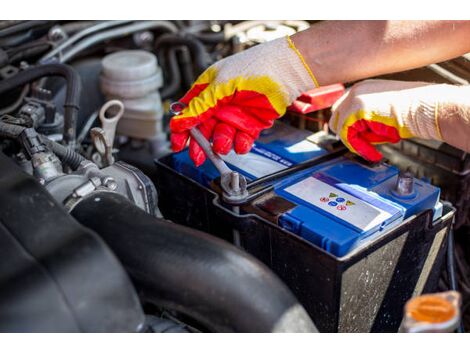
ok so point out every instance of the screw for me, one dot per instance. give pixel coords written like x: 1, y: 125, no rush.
x: 110, y: 183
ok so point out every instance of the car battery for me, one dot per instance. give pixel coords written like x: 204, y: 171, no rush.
x: 336, y: 205
x: 351, y: 247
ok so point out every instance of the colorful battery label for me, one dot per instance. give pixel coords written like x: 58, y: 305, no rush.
x: 353, y: 210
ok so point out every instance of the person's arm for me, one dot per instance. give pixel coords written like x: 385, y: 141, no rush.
x: 345, y: 51
x: 381, y: 111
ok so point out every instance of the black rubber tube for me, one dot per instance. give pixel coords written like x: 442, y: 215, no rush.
x: 172, y: 76
x: 191, y: 272
x: 210, y: 38
x: 19, y: 27
x: 198, y: 51
x: 72, y: 96
x: 26, y: 52
x: 66, y: 155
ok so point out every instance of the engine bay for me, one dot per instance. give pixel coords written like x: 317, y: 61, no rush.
x: 104, y: 229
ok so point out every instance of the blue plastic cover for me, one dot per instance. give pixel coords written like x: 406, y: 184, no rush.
x: 341, y: 203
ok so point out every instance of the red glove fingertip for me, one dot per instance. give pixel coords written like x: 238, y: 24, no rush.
x: 179, y: 141
x: 196, y: 153
x: 243, y: 143
x: 361, y: 145
x: 222, y: 139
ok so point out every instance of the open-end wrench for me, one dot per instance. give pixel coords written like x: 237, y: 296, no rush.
x: 233, y: 184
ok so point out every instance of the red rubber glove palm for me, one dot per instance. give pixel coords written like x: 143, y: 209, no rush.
x: 239, y: 96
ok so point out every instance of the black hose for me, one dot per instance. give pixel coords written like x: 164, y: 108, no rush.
x: 451, y: 269
x: 210, y: 38
x: 72, y: 97
x: 172, y: 76
x: 66, y: 155
x: 28, y: 51
x: 184, y: 270
x: 201, y: 57
x: 19, y: 27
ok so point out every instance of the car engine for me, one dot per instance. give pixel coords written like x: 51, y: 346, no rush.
x: 104, y: 229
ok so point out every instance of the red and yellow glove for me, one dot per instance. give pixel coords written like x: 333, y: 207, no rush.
x: 239, y: 96
x: 381, y: 111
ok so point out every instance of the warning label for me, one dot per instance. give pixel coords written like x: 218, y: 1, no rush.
x: 338, y: 203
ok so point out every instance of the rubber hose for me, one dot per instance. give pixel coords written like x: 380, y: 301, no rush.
x: 182, y: 269
x: 72, y: 97
x: 19, y: 27
x: 174, y: 83
x: 29, y: 51
x: 198, y: 51
x: 210, y: 38
x: 66, y: 155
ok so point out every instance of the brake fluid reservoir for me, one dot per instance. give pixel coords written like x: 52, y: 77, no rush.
x: 134, y: 77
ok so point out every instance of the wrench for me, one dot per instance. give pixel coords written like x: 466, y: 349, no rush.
x: 233, y: 184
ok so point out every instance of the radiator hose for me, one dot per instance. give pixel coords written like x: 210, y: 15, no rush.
x: 72, y: 97
x: 181, y: 269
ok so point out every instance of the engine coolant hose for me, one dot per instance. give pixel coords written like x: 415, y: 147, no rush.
x: 72, y: 97
x: 181, y: 269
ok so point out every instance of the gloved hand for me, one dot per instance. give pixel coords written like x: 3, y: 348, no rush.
x: 239, y: 96
x: 382, y: 111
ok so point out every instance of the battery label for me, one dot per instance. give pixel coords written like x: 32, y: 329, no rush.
x: 258, y: 162
x: 358, y: 213
x: 253, y: 164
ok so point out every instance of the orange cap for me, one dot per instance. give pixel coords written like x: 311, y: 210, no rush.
x: 438, y: 312
x: 431, y: 309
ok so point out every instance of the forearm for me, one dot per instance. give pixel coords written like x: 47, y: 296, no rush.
x: 344, y: 51
x: 453, y: 111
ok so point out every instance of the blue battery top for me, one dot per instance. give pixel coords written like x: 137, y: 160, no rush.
x: 341, y: 203
x: 277, y: 148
